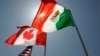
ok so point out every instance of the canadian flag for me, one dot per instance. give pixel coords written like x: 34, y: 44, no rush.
x: 27, y: 36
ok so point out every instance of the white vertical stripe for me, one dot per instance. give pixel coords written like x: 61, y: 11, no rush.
x: 49, y: 25
x: 22, y: 41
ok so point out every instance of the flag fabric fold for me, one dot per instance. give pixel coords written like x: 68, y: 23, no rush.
x: 27, y: 36
x: 52, y: 17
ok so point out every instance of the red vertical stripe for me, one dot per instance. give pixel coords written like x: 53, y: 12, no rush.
x: 41, y: 38
x: 11, y: 39
x: 46, y: 8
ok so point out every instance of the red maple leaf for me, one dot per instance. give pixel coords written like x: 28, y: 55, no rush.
x: 28, y: 34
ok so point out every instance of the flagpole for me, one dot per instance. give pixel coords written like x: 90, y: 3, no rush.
x: 45, y: 47
x: 45, y: 51
x: 80, y: 38
x: 82, y: 43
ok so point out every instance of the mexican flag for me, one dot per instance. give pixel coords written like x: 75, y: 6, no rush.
x: 52, y: 17
x: 27, y: 36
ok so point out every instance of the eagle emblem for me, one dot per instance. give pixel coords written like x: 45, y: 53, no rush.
x: 54, y: 17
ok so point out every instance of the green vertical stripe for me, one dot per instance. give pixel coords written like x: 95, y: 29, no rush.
x: 65, y: 20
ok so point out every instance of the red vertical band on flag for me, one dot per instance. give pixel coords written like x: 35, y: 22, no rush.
x: 11, y: 39
x: 46, y: 8
x: 41, y: 38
